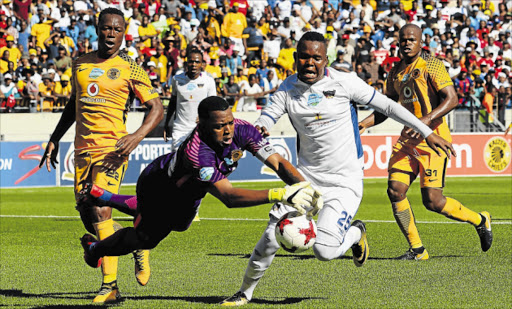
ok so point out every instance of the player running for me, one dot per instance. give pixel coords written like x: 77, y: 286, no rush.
x: 319, y: 103
x: 104, y: 83
x: 421, y: 84
x: 170, y: 189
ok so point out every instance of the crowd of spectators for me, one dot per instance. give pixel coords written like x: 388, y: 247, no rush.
x: 248, y: 45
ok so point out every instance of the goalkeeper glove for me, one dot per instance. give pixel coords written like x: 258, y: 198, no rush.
x: 316, y: 204
x: 299, y: 196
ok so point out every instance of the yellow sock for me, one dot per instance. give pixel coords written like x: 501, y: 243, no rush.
x: 109, y: 265
x: 453, y: 209
x: 405, y: 219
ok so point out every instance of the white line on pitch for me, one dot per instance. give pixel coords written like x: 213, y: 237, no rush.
x: 240, y: 219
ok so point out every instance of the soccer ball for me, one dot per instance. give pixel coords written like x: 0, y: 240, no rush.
x: 295, y: 233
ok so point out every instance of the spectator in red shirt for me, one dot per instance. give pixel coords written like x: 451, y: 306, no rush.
x: 487, y: 58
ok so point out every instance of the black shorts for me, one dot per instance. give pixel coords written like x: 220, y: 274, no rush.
x: 161, y: 206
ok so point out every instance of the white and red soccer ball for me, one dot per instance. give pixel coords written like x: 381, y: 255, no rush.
x: 295, y: 233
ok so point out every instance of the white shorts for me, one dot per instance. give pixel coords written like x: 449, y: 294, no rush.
x: 340, y: 207
x: 179, y: 137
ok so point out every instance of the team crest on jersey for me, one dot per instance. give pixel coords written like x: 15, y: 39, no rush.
x: 415, y: 74
x: 206, y: 173
x: 235, y: 156
x: 113, y: 73
x: 200, y: 85
x: 405, y: 78
x: 95, y: 73
x: 93, y: 89
x: 191, y: 87
x: 329, y: 94
x: 314, y: 99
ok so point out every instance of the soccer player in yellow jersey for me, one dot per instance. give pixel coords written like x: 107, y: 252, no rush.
x: 421, y: 84
x: 104, y: 83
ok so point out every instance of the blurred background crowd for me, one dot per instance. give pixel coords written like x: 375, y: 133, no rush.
x: 248, y: 45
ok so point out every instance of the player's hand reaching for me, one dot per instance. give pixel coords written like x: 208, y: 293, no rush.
x: 126, y: 144
x: 263, y: 131
x: 435, y: 141
x: 299, y: 196
x: 316, y: 205
x: 50, y: 155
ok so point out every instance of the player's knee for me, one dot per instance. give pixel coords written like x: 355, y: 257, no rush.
x: 324, y: 253
x: 394, y: 194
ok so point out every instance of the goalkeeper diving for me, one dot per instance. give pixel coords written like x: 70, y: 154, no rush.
x: 170, y: 189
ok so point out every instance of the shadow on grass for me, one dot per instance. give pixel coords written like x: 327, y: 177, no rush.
x: 191, y: 299
x: 246, y: 256
x: 310, y: 257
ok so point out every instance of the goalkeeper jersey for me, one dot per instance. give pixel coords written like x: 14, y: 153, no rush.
x: 417, y: 89
x: 195, y: 165
x: 103, y: 91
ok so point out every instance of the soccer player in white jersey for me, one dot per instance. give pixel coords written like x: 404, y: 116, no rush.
x: 188, y: 89
x: 320, y: 104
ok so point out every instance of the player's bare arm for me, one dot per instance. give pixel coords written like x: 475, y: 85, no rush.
x: 126, y: 144
x: 286, y: 171
x: 171, y: 108
x: 52, y: 148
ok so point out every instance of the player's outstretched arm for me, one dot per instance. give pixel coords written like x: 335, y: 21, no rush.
x: 52, y: 148
x: 299, y: 196
x: 126, y: 144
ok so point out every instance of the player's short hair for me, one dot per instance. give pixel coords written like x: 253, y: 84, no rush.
x: 312, y: 36
x: 194, y: 51
x: 211, y: 104
x: 112, y: 11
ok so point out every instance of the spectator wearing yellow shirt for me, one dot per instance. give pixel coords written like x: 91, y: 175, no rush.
x: 263, y: 26
x: 233, y: 27
x: 212, y: 25
x: 4, y: 62
x: 14, y: 52
x: 147, y: 31
x: 46, y: 89
x: 285, y: 58
x: 240, y: 76
x: 161, y: 63
x: 41, y: 31
x: 62, y: 90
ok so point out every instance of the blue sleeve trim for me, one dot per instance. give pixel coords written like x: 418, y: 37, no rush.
x: 373, y: 96
x: 265, y: 114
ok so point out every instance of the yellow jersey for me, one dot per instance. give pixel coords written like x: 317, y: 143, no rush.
x: 103, y: 91
x: 417, y: 88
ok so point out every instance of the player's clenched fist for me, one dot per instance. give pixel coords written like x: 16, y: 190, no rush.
x: 299, y: 196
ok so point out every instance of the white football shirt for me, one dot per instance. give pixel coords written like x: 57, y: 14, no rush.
x: 190, y: 92
x: 329, y: 147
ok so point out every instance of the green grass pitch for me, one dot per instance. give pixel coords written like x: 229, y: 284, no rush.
x: 42, y: 266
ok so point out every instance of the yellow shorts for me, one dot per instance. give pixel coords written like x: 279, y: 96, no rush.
x: 406, y: 163
x: 106, y: 170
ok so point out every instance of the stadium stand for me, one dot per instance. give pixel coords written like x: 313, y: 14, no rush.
x: 242, y: 37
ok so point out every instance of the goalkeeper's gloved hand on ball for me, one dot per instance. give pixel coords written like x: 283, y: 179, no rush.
x: 316, y: 204
x: 299, y: 196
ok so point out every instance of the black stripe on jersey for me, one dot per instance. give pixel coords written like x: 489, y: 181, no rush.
x: 444, y: 169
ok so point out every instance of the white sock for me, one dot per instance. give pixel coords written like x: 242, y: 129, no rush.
x: 260, y: 260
